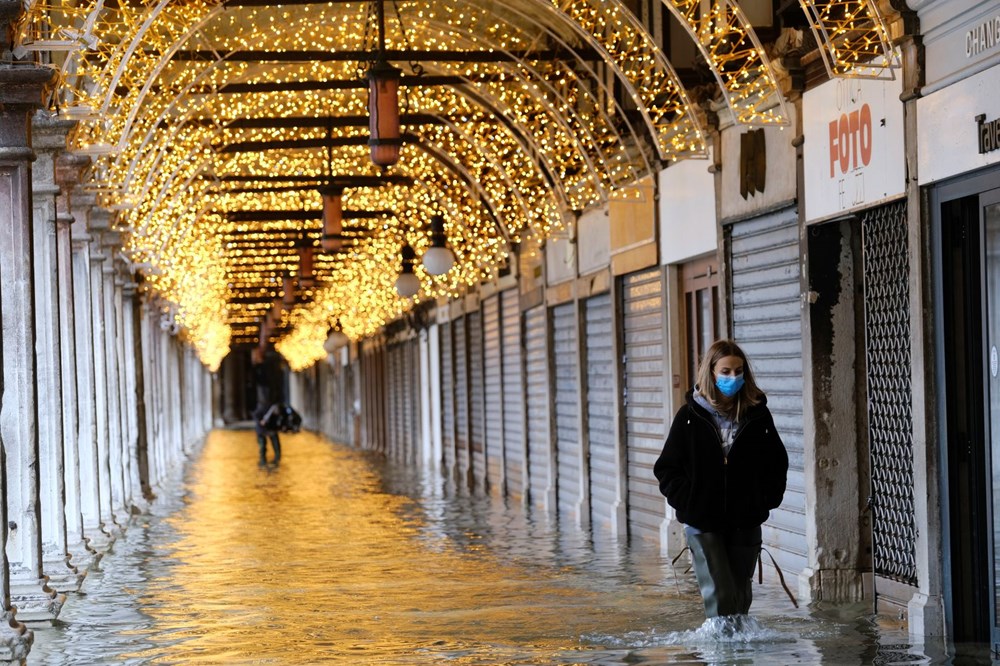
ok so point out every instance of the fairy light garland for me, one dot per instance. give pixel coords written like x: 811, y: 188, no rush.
x: 517, y: 145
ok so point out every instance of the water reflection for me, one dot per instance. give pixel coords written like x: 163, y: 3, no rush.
x: 337, y: 558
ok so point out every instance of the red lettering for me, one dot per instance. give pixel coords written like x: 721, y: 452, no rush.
x: 834, y: 150
x: 866, y: 135
x: 851, y: 139
x: 845, y: 143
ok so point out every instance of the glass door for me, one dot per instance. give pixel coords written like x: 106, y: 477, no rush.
x: 989, y: 203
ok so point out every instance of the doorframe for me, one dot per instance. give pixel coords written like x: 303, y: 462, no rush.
x: 967, y: 185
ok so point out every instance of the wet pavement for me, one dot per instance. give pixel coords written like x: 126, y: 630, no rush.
x: 337, y: 557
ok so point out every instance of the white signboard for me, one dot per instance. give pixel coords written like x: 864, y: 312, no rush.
x: 956, y: 127
x: 687, y: 211
x: 853, y: 151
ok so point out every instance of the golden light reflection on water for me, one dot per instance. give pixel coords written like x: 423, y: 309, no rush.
x: 312, y: 561
x: 339, y: 557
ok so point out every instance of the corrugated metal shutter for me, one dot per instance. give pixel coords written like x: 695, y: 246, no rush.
x: 767, y: 324
x: 540, y: 452
x: 599, y: 333
x: 462, y: 460
x: 410, y: 396
x: 645, y: 427
x: 566, y: 402
x: 513, y: 395
x: 477, y: 410
x: 393, y: 413
x: 492, y: 370
x: 447, y: 397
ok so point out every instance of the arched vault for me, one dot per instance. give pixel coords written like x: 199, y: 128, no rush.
x: 212, y: 126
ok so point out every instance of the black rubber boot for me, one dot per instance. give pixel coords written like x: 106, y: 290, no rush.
x: 743, y: 548
x: 713, y: 573
x: 262, y: 449
x: 276, y: 444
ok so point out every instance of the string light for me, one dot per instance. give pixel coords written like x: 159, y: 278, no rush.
x: 223, y: 221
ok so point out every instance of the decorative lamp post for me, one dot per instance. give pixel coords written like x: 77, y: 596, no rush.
x: 408, y: 284
x: 438, y: 259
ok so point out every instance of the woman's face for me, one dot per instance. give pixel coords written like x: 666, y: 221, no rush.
x: 728, y: 366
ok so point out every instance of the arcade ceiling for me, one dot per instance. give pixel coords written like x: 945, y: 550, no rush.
x: 232, y: 140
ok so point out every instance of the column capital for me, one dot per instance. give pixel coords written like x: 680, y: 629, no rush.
x: 49, y: 132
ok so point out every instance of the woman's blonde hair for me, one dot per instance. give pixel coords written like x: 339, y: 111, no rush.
x: 748, y: 396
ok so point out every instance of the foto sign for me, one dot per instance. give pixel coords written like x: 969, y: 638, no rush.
x: 853, y: 153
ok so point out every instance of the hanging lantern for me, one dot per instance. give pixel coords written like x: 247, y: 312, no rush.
x: 383, y: 113
x: 306, y: 277
x: 407, y: 284
x: 438, y: 259
x: 333, y: 218
x: 288, y: 290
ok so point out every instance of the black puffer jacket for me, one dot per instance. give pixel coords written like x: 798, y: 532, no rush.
x: 714, y: 492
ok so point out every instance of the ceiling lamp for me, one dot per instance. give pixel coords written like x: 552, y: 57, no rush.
x: 306, y: 274
x: 335, y: 339
x: 288, y: 290
x: 438, y: 259
x: 408, y: 284
x: 383, y: 102
x: 333, y: 218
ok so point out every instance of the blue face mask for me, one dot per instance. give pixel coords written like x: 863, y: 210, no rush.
x: 729, y: 385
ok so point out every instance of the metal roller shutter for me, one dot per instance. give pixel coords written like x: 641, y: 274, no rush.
x: 645, y: 427
x: 767, y: 324
x: 599, y: 334
x: 447, y: 397
x: 566, y: 402
x: 461, y: 401
x: 393, y: 413
x: 513, y: 395
x: 492, y: 371
x: 477, y: 410
x: 540, y: 452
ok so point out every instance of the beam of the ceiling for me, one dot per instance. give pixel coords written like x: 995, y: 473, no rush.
x: 423, y: 80
x: 280, y: 122
x: 302, y: 144
x: 403, y: 55
x: 347, y: 181
x: 279, y: 215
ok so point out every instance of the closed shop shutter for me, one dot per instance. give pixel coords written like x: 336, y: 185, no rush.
x: 540, y: 458
x: 767, y: 324
x: 461, y: 400
x: 566, y: 402
x: 513, y: 395
x: 477, y: 421
x: 604, y: 473
x: 492, y: 370
x: 645, y: 427
x: 409, y: 429
x: 393, y: 413
x: 447, y: 397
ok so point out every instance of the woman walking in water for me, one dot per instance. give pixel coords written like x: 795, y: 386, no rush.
x: 723, y: 469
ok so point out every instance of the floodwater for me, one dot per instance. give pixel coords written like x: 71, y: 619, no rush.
x: 336, y: 557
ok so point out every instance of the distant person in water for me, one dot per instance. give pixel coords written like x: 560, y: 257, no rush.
x: 723, y: 469
x: 266, y: 427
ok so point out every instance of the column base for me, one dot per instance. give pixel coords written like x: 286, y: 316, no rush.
x: 15, y: 639
x: 82, y: 557
x: 63, y: 576
x: 99, y: 541
x: 837, y: 586
x: 34, y: 600
x: 926, y: 616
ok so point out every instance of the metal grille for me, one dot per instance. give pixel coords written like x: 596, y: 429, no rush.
x: 890, y: 422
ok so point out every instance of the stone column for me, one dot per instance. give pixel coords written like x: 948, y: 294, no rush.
x: 96, y: 538
x: 68, y: 172
x: 125, y: 405
x: 98, y: 224
x: 133, y: 398
x: 150, y: 388
x: 24, y: 585
x: 50, y: 140
x: 110, y: 241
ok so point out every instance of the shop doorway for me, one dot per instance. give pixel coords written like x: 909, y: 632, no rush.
x: 970, y: 227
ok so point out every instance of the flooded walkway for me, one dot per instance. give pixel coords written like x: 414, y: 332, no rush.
x: 336, y: 557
